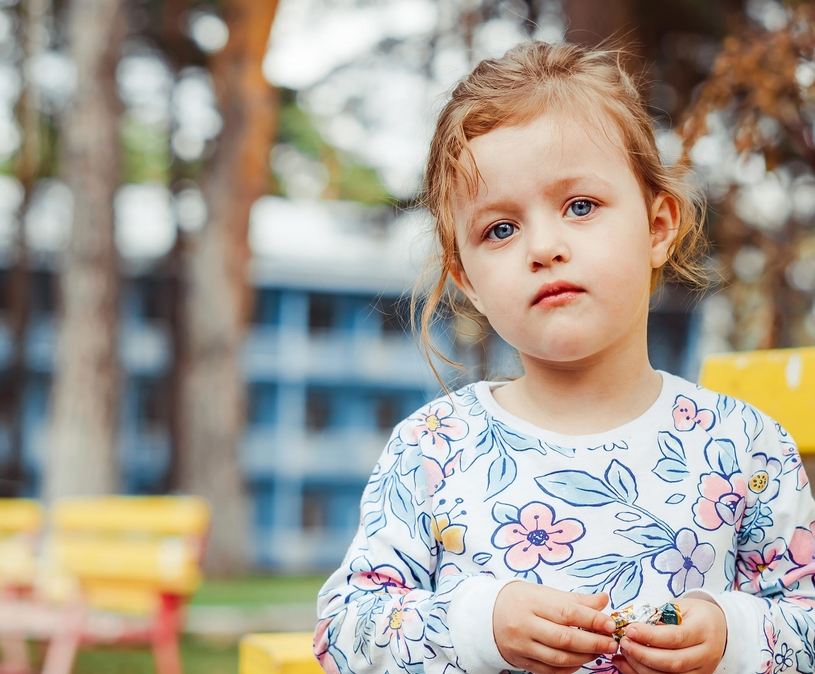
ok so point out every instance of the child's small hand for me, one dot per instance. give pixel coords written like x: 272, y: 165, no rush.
x: 694, y: 647
x: 534, y: 628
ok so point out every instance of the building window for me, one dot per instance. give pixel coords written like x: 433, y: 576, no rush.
x: 266, y: 309
x: 43, y: 295
x: 318, y: 409
x: 262, y: 403
x: 322, y: 312
x: 386, y: 412
x: 152, y: 402
x: 395, y: 315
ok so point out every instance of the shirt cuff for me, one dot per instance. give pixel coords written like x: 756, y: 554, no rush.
x: 469, y: 618
x: 743, y: 650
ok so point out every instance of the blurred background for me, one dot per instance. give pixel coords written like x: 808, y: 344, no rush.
x: 210, y: 224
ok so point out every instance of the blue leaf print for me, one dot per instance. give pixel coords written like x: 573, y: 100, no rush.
x: 437, y: 627
x: 373, y: 521
x: 500, y: 475
x: 725, y: 406
x: 650, y: 536
x: 588, y: 568
x: 485, y: 440
x: 504, y: 512
x: 730, y: 570
x: 402, y: 504
x: 671, y: 446
x: 530, y: 577
x: 627, y: 586
x: 565, y: 451
x: 753, y: 423
x: 670, y: 470
x: 673, y: 499
x: 672, y: 467
x: 516, y: 441
x: 577, y: 488
x: 622, y: 481
x: 419, y: 573
x: 482, y: 558
x: 426, y: 531
x: 720, y: 455
x: 628, y: 516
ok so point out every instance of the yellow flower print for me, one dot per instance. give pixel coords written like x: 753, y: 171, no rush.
x: 448, y: 534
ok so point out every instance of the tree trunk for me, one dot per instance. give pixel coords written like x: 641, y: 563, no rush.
x: 218, y: 294
x: 84, y: 400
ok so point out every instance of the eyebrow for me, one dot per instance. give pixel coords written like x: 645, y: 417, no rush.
x: 559, y: 186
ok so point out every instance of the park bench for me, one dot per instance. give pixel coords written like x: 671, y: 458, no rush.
x: 780, y: 382
x: 21, y: 523
x: 114, y: 569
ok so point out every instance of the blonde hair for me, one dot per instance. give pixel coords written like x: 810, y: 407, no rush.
x: 528, y: 81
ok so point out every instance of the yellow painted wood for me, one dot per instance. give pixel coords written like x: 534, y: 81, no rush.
x: 123, y: 552
x: 283, y: 653
x: 169, y: 564
x: 167, y: 515
x: 20, y: 515
x: 779, y: 382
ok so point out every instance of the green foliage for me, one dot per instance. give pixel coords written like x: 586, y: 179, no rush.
x: 146, y: 153
x: 349, y: 180
x: 259, y: 591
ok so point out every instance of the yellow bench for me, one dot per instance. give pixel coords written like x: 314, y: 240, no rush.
x: 112, y: 569
x: 779, y: 382
x: 284, y: 653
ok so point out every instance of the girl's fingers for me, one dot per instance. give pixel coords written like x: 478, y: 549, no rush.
x: 622, y: 664
x: 571, y: 640
x: 644, y: 659
x: 573, y: 613
x: 552, y: 663
x: 664, y: 636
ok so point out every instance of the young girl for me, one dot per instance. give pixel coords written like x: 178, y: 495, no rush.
x: 501, y: 517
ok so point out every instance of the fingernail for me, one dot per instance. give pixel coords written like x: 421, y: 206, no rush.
x: 610, y: 626
x: 631, y: 631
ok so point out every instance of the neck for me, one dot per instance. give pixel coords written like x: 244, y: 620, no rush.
x: 584, y: 397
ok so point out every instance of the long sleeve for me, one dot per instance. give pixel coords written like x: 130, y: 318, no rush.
x: 771, y: 610
x: 387, y: 607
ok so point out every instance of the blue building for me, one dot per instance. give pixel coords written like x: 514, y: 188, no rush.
x: 331, y: 367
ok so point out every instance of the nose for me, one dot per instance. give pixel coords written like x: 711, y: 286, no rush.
x: 546, y: 242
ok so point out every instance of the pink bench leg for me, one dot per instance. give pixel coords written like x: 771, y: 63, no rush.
x: 61, y: 653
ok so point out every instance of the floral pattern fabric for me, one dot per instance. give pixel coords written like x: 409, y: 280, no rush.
x: 700, y: 492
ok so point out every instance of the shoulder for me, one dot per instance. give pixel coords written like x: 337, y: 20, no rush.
x: 442, y: 421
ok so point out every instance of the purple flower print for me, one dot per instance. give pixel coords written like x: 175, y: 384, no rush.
x: 687, y: 561
x: 536, y: 537
x: 438, y: 423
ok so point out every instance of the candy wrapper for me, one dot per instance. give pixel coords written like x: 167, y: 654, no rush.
x: 667, y: 614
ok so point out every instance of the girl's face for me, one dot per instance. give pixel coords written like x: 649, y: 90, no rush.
x: 558, y: 245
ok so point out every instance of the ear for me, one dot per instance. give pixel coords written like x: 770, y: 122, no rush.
x: 462, y: 282
x: 664, y: 227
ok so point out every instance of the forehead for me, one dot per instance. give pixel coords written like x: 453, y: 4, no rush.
x: 548, y: 150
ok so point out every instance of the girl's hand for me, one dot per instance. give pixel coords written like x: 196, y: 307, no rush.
x: 696, y: 646
x: 534, y: 628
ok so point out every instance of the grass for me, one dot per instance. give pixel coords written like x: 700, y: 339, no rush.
x: 259, y: 591
x: 201, y: 656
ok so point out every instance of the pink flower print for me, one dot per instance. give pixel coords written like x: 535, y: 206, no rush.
x: 687, y: 561
x: 801, y: 551
x: 751, y: 566
x: 404, y: 611
x: 687, y: 415
x: 321, y: 646
x: 439, y: 423
x: 721, y: 501
x: 771, y: 636
x: 536, y: 537
x: 382, y: 578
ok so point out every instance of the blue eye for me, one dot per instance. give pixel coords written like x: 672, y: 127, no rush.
x: 581, y: 207
x: 501, y: 231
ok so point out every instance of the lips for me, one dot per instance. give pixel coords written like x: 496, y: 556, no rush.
x: 558, y: 292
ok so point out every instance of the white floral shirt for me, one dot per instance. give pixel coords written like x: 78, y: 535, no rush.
x: 701, y: 495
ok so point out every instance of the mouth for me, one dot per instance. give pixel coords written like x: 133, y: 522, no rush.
x: 557, y: 293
